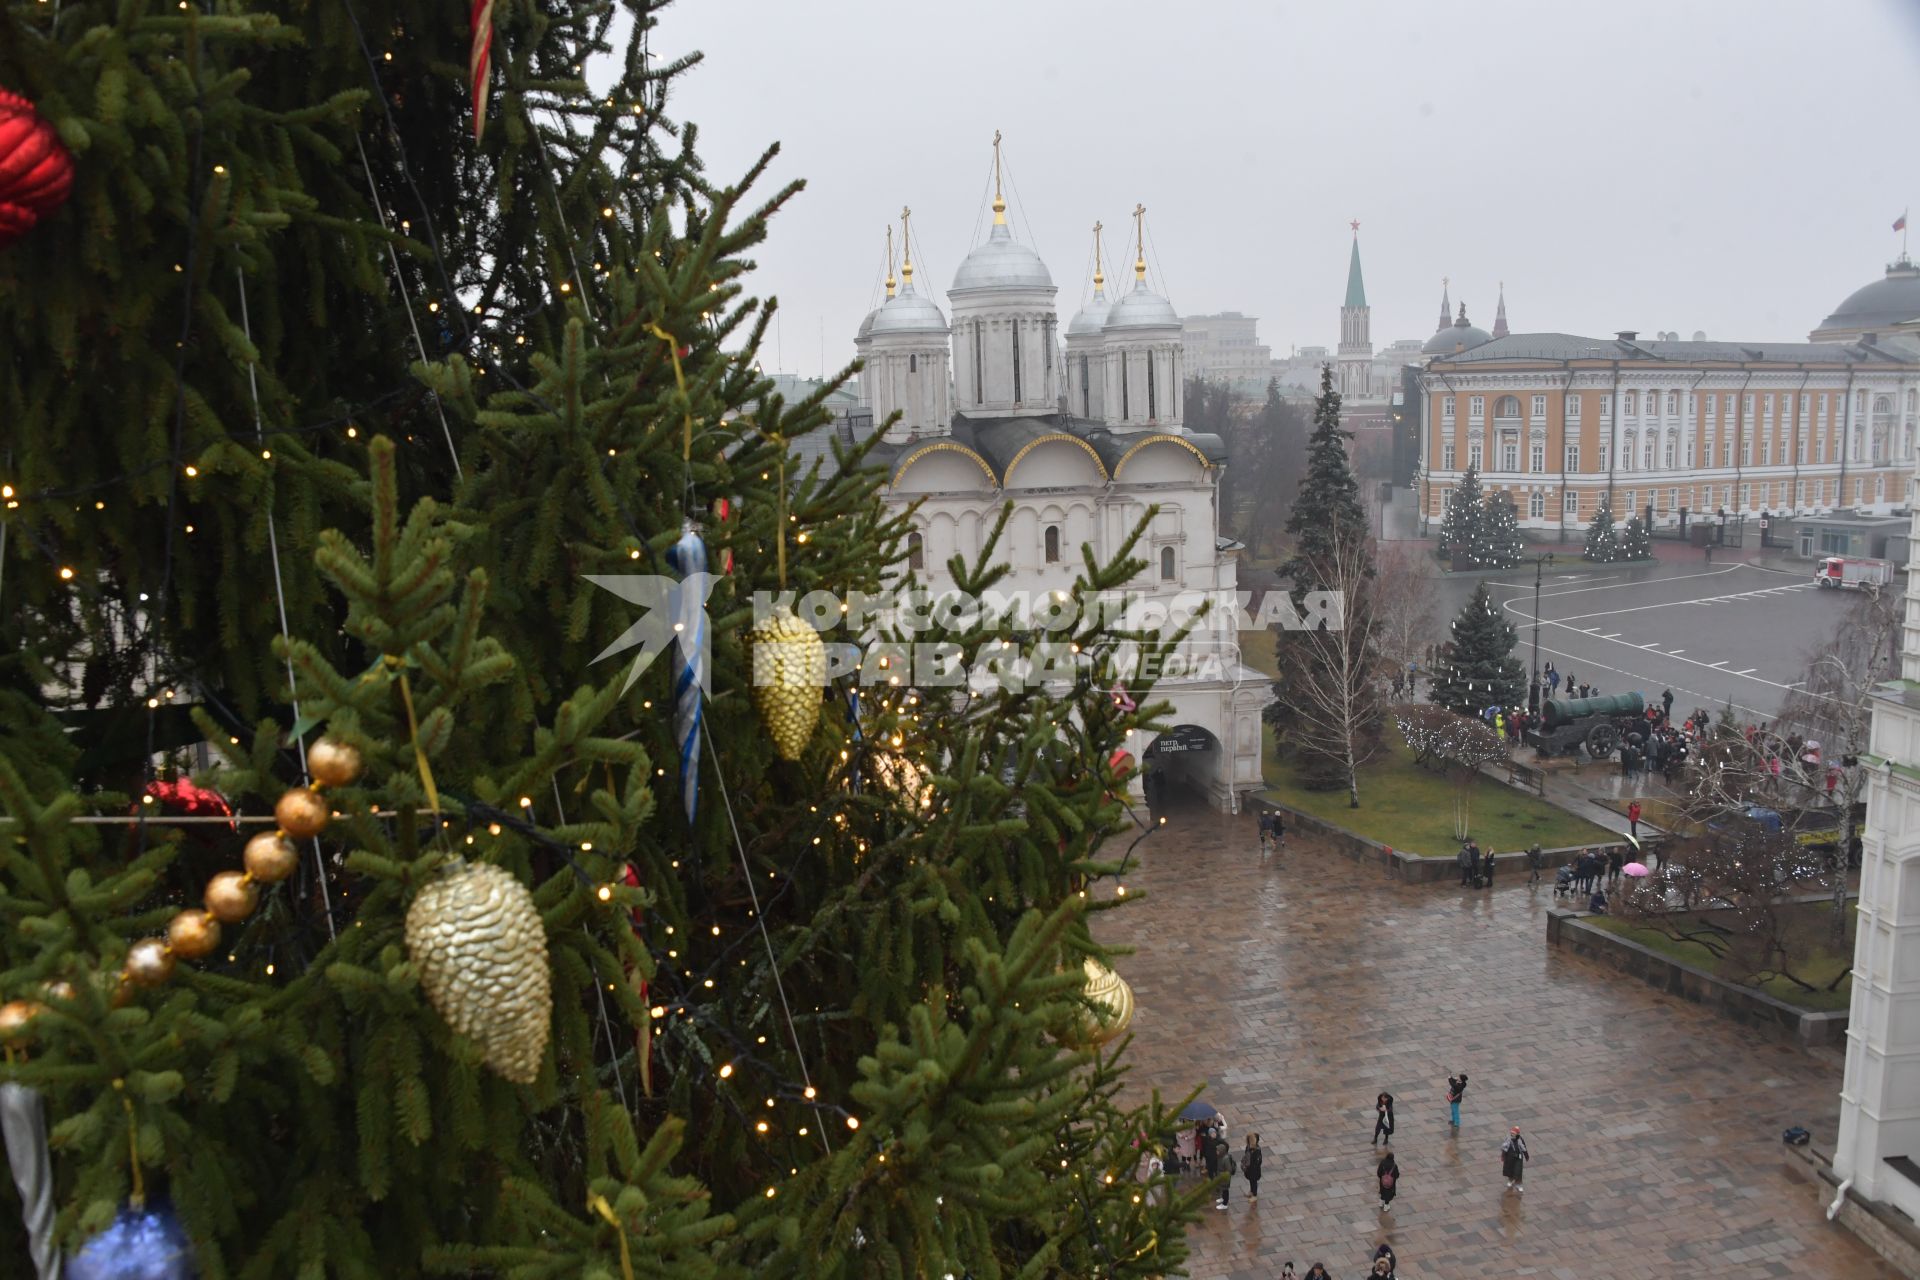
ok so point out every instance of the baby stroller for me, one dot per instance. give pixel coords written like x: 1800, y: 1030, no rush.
x: 1563, y: 882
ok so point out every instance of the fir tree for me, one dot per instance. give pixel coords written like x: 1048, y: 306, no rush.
x: 588, y: 388
x: 1333, y: 551
x: 1496, y: 543
x: 1460, y: 525
x: 1603, y: 544
x: 1634, y: 543
x: 1477, y: 668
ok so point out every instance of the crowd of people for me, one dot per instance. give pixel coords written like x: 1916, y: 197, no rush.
x: 1203, y: 1150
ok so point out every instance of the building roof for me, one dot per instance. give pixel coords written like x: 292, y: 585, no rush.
x: 1356, y: 288
x: 1522, y: 347
x: 1090, y: 318
x: 1142, y: 309
x: 908, y: 313
x: 1459, y: 336
x: 1001, y: 441
x: 1001, y: 263
x: 1892, y: 300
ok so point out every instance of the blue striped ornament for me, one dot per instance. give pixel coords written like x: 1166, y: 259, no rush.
x: 686, y: 557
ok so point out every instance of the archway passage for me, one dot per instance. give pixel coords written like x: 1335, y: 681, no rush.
x: 1182, y: 769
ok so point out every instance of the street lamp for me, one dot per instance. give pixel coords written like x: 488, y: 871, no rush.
x: 1533, y: 686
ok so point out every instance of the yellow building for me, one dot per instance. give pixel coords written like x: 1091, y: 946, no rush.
x: 1564, y: 424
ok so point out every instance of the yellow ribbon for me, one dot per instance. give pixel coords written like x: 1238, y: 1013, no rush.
x: 598, y: 1203
x: 413, y: 734
x: 139, y: 1196
x: 679, y: 380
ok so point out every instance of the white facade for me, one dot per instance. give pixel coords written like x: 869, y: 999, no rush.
x: 1082, y: 441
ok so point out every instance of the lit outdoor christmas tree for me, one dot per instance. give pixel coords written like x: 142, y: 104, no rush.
x: 459, y: 953
x: 1477, y: 668
x: 1634, y: 542
x: 1460, y: 525
x: 1496, y: 538
x: 1603, y: 545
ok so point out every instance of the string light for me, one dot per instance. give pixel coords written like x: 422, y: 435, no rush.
x: 726, y: 1070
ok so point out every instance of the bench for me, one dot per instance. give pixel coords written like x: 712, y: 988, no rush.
x: 1527, y: 777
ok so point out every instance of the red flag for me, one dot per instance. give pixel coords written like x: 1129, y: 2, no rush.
x: 1900, y: 223
x: 480, y: 63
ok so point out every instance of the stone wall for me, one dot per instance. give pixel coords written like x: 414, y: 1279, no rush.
x: 1742, y: 1004
x: 1884, y: 1229
x: 1413, y: 868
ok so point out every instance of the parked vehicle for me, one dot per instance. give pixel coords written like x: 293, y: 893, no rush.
x: 1853, y: 572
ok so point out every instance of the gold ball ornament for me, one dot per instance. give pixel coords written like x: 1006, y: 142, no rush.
x: 270, y: 857
x: 149, y: 963
x: 789, y: 673
x: 302, y: 813
x: 480, y: 948
x: 193, y: 934
x: 59, y: 989
x: 905, y: 779
x: 16, y: 1020
x: 231, y: 897
x: 333, y: 763
x: 1112, y: 1001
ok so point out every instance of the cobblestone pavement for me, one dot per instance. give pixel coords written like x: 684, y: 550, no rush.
x: 1300, y: 989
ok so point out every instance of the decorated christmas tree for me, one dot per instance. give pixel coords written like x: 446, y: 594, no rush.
x: 1603, y: 544
x: 355, y: 921
x: 1634, y: 543
x: 1460, y: 526
x: 1327, y: 715
x: 1477, y: 668
x: 1496, y: 541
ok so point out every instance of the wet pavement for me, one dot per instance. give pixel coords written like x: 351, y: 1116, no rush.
x: 1300, y: 989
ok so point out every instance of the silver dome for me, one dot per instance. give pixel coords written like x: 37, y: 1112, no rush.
x: 1142, y: 309
x: 1002, y: 263
x: 866, y: 325
x: 1092, y: 317
x: 908, y: 313
x: 1892, y: 300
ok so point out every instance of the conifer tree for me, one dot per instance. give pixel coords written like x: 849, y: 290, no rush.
x: 396, y: 541
x: 1477, y: 668
x: 1496, y: 542
x: 1603, y: 544
x: 1460, y: 525
x: 1634, y: 543
x: 1333, y: 552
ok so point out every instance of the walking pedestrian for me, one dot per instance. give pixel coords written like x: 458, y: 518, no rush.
x: 1536, y: 862
x: 1266, y: 833
x: 1382, y: 1118
x: 1616, y: 863
x: 1633, y: 818
x: 1286, y: 1270
x: 1385, y: 1254
x: 1318, y: 1271
x: 1210, y: 1151
x: 1250, y: 1165
x: 1513, y: 1159
x: 1456, y: 1090
x: 1387, y: 1174
x: 1553, y: 678
x: 1382, y: 1270
x: 1666, y: 704
x: 1279, y: 831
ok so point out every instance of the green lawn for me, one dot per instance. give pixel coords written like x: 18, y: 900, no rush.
x: 1257, y: 651
x: 1411, y: 808
x: 1807, y: 932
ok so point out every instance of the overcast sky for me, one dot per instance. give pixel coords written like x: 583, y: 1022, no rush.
x: 1727, y: 167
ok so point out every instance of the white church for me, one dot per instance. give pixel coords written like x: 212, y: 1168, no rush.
x: 1082, y: 433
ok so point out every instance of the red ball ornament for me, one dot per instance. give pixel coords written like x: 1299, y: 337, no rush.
x: 36, y: 170
x: 181, y: 796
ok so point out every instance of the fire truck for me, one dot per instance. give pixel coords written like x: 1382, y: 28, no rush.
x: 1851, y: 571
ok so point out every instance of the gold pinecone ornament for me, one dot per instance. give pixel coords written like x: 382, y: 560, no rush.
x: 789, y: 671
x: 1112, y: 1001
x: 481, y: 951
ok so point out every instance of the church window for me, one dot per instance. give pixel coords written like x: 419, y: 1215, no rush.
x: 1166, y: 564
x: 1537, y: 505
x: 979, y: 383
x: 1126, y: 409
x: 1016, y: 362
x: 1047, y: 332
x: 1153, y: 391
x: 1573, y: 457
x: 913, y: 364
x: 916, y: 551
x: 1086, y: 390
x: 1053, y: 544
